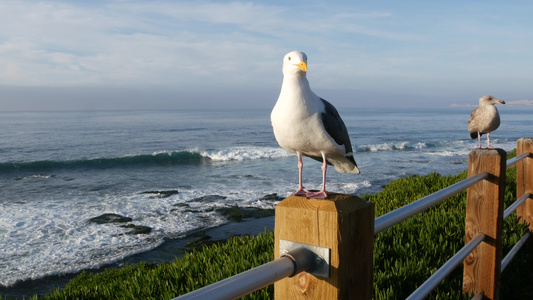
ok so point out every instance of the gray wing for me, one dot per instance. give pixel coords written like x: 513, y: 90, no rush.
x: 336, y: 129
x: 473, y: 123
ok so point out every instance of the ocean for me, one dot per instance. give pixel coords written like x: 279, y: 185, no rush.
x: 74, y: 186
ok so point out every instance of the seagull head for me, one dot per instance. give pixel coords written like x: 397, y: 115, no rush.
x: 295, y: 63
x: 489, y: 100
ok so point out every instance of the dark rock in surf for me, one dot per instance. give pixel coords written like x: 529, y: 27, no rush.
x: 137, y: 229
x: 273, y: 196
x: 236, y: 214
x: 110, y: 218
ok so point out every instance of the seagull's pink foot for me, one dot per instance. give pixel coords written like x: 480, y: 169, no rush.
x: 317, y: 195
x: 301, y: 192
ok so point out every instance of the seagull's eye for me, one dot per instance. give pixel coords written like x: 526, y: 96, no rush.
x: 289, y: 58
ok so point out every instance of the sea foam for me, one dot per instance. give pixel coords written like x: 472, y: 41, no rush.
x: 245, y: 153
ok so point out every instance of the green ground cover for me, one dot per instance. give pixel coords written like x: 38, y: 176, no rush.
x: 404, y: 255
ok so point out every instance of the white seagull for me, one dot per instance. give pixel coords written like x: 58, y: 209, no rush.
x: 484, y: 119
x: 308, y: 125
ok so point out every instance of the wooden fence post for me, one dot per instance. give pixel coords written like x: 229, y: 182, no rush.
x: 484, y: 213
x: 342, y: 223
x: 524, y: 180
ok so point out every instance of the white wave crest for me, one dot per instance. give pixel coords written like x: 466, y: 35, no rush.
x: 449, y: 153
x: 245, y: 153
x: 385, y: 147
x: 350, y: 187
x: 421, y: 145
x: 36, y: 176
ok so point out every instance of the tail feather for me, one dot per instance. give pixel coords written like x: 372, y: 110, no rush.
x: 345, y: 164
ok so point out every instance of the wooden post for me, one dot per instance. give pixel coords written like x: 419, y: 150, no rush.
x: 524, y: 180
x: 484, y: 213
x: 342, y: 223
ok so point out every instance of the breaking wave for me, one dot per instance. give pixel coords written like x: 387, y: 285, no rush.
x: 393, y: 146
x: 157, y: 158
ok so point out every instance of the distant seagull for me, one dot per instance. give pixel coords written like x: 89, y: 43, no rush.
x: 484, y: 119
x: 308, y: 125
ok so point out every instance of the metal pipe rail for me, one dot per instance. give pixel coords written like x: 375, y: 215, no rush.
x: 451, y: 264
x: 396, y: 216
x: 515, y: 205
x: 288, y: 265
x: 507, y: 259
x: 512, y: 161
x: 447, y: 268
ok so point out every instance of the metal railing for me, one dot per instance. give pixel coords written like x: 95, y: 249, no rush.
x: 396, y: 216
x: 507, y: 259
x: 430, y: 284
x: 512, y: 161
x: 437, y: 277
x: 515, y: 205
x: 299, y: 260
x: 244, y: 283
x: 288, y: 265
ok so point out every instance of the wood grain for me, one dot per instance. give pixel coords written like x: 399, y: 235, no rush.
x: 524, y: 180
x: 484, y: 213
x: 342, y: 223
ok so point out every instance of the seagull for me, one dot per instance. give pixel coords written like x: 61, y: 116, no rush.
x: 484, y: 119
x: 308, y: 125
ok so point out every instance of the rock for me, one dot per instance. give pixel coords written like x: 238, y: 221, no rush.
x: 236, y: 213
x: 110, y: 218
x: 208, y: 198
x: 273, y: 196
x: 136, y: 229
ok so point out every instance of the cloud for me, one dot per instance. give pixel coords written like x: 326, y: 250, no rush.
x: 56, y: 43
x: 163, y: 42
x: 523, y: 102
x: 216, y: 46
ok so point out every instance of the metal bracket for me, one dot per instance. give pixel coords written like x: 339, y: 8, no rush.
x: 322, y: 256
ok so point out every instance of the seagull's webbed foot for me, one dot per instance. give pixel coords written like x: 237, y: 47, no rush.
x: 316, y: 195
x: 301, y: 192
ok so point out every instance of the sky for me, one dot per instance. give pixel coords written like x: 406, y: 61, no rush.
x: 100, y: 55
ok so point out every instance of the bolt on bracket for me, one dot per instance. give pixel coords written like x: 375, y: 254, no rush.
x: 321, y: 257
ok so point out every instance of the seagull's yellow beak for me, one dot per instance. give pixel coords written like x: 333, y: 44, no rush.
x: 302, y: 66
